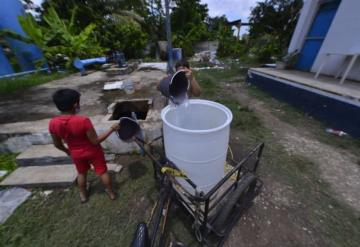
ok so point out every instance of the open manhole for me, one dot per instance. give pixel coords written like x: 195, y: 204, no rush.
x: 125, y: 108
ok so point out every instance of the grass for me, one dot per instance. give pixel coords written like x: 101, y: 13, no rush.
x: 298, y: 118
x: 60, y: 220
x: 13, y: 84
x: 333, y: 220
x: 7, y: 162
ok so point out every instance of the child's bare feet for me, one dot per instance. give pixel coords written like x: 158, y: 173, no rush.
x: 83, y: 197
x: 111, y: 194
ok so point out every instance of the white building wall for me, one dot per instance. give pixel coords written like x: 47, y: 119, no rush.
x: 303, y: 26
x: 343, y: 37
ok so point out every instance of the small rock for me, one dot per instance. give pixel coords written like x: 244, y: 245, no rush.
x: 304, y: 228
x: 3, y: 173
x: 268, y: 222
x: 331, y: 207
x: 46, y: 193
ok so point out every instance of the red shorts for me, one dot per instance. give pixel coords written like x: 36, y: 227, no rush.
x: 83, y: 159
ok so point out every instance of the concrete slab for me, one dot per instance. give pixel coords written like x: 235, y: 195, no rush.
x: 349, y: 89
x: 10, y: 199
x: 42, y: 176
x: 43, y: 155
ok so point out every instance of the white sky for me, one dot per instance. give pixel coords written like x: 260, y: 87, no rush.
x: 232, y: 9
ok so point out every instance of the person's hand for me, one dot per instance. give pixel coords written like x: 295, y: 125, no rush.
x: 188, y: 73
x: 115, y: 127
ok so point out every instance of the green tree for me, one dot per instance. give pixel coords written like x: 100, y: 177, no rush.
x: 229, y: 45
x: 216, y: 25
x: 274, y: 21
x: 188, y: 24
x: 111, y: 18
x: 59, y: 38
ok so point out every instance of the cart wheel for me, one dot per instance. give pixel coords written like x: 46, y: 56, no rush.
x: 141, y: 236
x: 245, y: 187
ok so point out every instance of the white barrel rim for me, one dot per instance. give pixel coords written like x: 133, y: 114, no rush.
x: 205, y: 102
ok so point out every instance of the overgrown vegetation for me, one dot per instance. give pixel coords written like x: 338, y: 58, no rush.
x: 59, y: 39
x: 69, y: 29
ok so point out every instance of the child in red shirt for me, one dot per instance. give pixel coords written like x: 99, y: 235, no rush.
x: 83, y: 144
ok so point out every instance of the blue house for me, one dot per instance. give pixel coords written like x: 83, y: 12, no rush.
x: 26, y: 54
x: 325, y: 80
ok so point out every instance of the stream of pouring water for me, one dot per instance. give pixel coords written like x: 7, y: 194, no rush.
x: 181, y: 112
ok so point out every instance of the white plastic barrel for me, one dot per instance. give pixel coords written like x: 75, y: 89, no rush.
x: 196, y: 139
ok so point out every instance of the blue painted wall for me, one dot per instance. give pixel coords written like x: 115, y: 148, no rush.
x: 25, y: 54
x: 317, y: 34
x: 5, y: 66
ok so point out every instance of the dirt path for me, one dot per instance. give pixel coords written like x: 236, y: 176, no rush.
x: 338, y: 167
x: 279, y: 217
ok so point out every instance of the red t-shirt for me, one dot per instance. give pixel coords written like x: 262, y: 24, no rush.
x: 72, y: 129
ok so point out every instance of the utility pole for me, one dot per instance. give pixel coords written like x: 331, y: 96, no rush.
x: 168, y: 37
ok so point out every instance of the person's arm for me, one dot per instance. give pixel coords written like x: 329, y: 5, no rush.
x: 95, y: 139
x: 195, y: 88
x: 58, y: 143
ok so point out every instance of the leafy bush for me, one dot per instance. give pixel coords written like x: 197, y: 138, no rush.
x: 229, y: 45
x: 127, y: 37
x: 187, y: 40
x: 59, y: 39
x: 266, y: 48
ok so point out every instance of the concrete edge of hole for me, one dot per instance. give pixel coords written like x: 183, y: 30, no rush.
x: 111, y: 107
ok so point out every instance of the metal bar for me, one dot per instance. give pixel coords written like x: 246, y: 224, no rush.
x: 162, y: 238
x: 259, y: 157
x: 139, y: 143
x: 349, y: 67
x: 186, y: 179
x: 168, y: 37
x: 158, y: 219
x: 23, y: 73
x: 206, y: 212
x: 222, y: 181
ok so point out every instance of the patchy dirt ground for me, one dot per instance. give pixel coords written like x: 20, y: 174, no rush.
x: 36, y: 103
x: 311, y: 187
x: 338, y: 167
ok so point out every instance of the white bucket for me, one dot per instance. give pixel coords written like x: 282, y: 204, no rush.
x: 196, y: 139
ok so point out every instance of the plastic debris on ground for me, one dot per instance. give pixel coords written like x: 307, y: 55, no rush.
x: 114, y: 85
x: 46, y: 193
x: 336, y: 132
x: 206, y: 56
x: 205, y: 68
x: 10, y: 199
x: 153, y: 66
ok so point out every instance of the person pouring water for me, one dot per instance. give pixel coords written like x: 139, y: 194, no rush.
x: 181, y: 84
